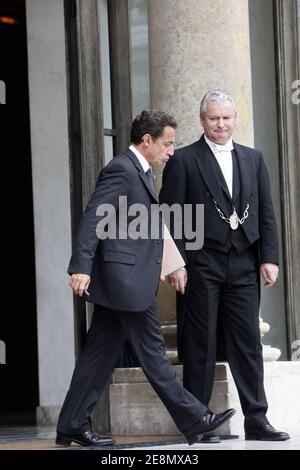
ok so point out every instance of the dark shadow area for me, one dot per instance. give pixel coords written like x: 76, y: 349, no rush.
x: 18, y: 329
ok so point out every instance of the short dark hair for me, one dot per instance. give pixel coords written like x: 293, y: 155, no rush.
x: 150, y: 122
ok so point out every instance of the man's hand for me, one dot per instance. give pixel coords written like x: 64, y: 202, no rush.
x: 269, y: 273
x: 79, y: 282
x: 178, y: 280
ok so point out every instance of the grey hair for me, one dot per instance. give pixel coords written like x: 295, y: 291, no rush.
x: 216, y: 96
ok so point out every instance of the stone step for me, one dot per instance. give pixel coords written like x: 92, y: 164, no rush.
x: 136, y: 374
x: 170, y: 334
x: 172, y: 355
x: 135, y: 408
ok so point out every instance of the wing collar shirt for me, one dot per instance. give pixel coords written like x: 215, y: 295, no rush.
x: 224, y: 159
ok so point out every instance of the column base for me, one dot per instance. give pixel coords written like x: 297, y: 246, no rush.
x: 47, y: 415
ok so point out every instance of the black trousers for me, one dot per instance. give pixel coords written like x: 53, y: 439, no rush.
x: 109, y: 329
x: 223, y: 288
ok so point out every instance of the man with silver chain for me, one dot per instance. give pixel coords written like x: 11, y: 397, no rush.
x: 218, y: 291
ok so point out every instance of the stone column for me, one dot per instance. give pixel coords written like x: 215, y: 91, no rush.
x: 195, y: 46
x: 51, y: 202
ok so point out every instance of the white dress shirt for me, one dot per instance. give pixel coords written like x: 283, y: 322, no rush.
x: 224, y: 158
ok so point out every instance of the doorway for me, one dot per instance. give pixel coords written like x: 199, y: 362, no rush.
x: 18, y: 322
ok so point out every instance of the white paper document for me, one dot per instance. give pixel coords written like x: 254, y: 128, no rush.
x: 172, y: 259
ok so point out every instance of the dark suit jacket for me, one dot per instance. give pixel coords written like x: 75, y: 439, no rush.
x: 124, y: 273
x: 190, y: 178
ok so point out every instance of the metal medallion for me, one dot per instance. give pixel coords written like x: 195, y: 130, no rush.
x: 234, y: 221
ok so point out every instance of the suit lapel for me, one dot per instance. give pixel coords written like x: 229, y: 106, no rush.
x: 145, y: 181
x: 246, y: 174
x: 141, y: 172
x: 204, y: 160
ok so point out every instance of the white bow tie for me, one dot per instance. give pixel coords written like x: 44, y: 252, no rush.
x: 223, y: 148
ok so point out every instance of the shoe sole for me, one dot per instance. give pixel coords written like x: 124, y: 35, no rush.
x: 215, y: 440
x: 257, y: 438
x: 66, y: 442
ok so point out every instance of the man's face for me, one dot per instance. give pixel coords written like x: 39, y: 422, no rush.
x: 218, y: 121
x: 162, y: 148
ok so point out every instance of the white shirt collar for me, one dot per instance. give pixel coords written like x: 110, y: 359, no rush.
x: 217, y: 148
x: 140, y: 157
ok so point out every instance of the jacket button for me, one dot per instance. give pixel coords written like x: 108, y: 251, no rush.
x: 158, y: 241
x: 158, y: 261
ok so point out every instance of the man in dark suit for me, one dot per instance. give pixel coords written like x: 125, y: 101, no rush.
x: 122, y: 272
x: 221, y: 281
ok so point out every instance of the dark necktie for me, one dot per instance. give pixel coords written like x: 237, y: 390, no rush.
x: 149, y: 178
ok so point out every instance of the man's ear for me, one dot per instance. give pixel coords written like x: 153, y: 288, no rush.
x: 147, y: 140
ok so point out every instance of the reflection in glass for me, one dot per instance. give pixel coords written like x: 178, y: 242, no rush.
x: 108, y: 149
x: 105, y: 64
x: 140, y: 56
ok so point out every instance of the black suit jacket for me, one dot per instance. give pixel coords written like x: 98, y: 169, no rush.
x: 124, y: 273
x: 190, y: 178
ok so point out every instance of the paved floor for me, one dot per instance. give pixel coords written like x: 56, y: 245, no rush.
x: 232, y: 444
x: 42, y: 438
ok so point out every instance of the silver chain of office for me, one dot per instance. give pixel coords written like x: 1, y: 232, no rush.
x: 234, y: 221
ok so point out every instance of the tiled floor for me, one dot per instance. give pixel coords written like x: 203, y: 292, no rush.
x: 43, y: 438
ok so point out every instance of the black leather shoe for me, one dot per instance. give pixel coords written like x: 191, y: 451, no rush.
x: 266, y: 432
x: 210, y: 439
x: 87, y: 438
x: 208, y: 422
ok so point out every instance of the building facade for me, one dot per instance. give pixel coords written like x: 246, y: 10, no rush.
x: 94, y: 64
